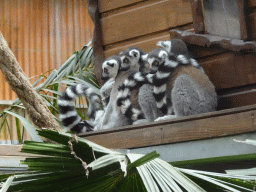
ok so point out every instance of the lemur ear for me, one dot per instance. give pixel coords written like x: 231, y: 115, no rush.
x: 163, y: 54
x: 144, y: 57
x: 160, y: 43
x: 134, y: 53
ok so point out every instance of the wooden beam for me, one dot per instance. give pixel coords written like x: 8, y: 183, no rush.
x: 239, y: 98
x: 146, y: 19
x: 105, y: 6
x: 203, y: 126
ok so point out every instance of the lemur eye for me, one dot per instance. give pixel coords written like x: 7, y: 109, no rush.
x: 105, y: 70
x: 126, y: 60
x: 155, y: 63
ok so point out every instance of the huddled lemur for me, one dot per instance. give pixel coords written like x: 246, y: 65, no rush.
x: 181, y: 87
x: 142, y: 98
x: 67, y: 113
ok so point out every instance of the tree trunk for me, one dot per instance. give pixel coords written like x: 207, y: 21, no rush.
x: 14, y: 75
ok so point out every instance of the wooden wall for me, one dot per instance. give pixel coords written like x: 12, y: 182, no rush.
x: 232, y: 72
x: 140, y: 23
x: 252, y: 18
x: 43, y: 34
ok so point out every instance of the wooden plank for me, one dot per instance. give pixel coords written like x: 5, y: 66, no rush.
x: 246, y: 68
x: 113, y: 4
x: 146, y: 43
x: 157, y: 16
x: 221, y: 70
x: 230, y: 70
x: 252, y: 24
x: 208, y: 125
x: 198, y: 51
x: 251, y: 3
x: 238, y: 99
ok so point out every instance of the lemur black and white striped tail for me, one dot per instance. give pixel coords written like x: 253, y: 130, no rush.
x: 134, y: 81
x: 67, y: 113
x: 160, y: 79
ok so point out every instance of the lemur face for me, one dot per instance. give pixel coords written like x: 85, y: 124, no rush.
x: 167, y: 45
x: 110, y: 67
x: 131, y: 58
x: 155, y: 58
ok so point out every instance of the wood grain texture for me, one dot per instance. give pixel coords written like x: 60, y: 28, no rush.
x: 246, y: 68
x: 157, y: 16
x: 199, y: 51
x: 252, y: 25
x: 97, y: 39
x: 229, y: 70
x: 114, y: 4
x: 239, y: 99
x: 206, y: 40
x: 203, y: 126
x: 251, y: 3
x: 221, y: 70
x: 198, y: 18
x: 146, y: 44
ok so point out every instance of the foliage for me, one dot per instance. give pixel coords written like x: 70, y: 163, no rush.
x: 78, y: 68
x: 76, y: 164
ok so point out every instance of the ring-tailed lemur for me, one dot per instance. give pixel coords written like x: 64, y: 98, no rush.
x: 133, y: 57
x: 140, y: 98
x: 177, y: 47
x: 180, y: 87
x: 67, y: 113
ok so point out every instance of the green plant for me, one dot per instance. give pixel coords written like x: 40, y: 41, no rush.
x: 78, y: 68
x: 76, y: 164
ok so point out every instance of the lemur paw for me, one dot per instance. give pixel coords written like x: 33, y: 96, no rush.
x: 166, y: 117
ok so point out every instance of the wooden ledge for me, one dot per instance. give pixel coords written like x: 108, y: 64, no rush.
x: 209, y: 125
x: 206, y: 40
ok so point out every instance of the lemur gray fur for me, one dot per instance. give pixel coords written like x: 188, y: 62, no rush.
x: 67, y: 113
x: 141, y: 98
x: 177, y: 47
x: 181, y: 87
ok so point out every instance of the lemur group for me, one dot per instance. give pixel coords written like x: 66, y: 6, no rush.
x: 140, y: 87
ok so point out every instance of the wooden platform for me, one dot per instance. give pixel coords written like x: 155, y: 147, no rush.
x: 204, y: 126
x: 202, y: 136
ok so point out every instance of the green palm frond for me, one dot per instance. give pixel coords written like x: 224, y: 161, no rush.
x: 76, y: 164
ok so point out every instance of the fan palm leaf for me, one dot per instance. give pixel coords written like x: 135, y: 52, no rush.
x: 76, y: 164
